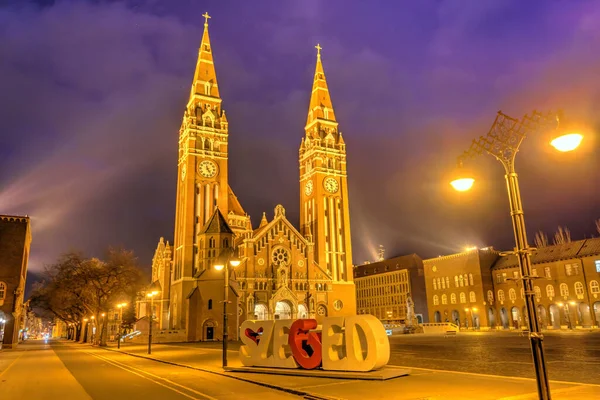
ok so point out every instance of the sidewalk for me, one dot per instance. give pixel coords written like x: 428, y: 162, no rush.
x: 420, y: 384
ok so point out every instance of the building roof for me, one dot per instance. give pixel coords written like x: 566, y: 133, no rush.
x: 391, y: 265
x: 566, y: 251
x: 234, y: 203
x: 216, y: 224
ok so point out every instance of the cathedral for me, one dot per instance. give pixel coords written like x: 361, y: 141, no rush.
x: 285, y: 271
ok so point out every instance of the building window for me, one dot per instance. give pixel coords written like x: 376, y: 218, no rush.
x: 568, y: 270
x: 434, y: 284
x: 2, y: 290
x: 597, y: 262
x: 472, y: 297
x: 471, y: 279
x: 564, y: 290
x: 579, y: 290
x: 453, y: 298
x: 436, y: 300
x: 504, y: 277
x: 447, y: 282
x: 550, y: 291
x: 326, y: 112
x: 461, y: 281
x: 207, y: 88
x: 490, y: 296
x: 463, y: 298
x: 575, y: 269
x: 501, y: 295
x: 498, y: 278
x: 547, y: 272
x: 512, y: 295
x: 538, y: 292
x: 444, y: 299
x: 210, y: 304
x: 442, y: 282
x: 455, y: 281
x: 534, y: 272
x: 516, y: 274
x: 594, y: 287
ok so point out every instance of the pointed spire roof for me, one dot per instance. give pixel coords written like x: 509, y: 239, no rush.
x: 263, y: 221
x: 320, y: 106
x: 216, y: 224
x: 205, y: 76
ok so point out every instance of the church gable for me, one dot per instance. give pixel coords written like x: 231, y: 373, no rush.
x: 280, y: 227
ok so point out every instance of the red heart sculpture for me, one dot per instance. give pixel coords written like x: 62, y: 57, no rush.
x: 255, y: 336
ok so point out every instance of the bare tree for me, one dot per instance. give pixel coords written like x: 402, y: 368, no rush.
x: 541, y: 239
x: 562, y: 236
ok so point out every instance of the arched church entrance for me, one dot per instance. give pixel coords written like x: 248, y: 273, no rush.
x: 455, y: 317
x: 208, y: 330
x: 302, y: 311
x: 260, y: 311
x: 437, y: 317
x: 585, y: 316
x: 596, y: 309
x: 283, y: 310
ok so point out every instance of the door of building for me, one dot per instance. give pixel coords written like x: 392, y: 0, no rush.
x: 210, y: 333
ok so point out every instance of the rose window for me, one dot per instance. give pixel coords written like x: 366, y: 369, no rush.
x: 281, y: 256
x: 321, y: 310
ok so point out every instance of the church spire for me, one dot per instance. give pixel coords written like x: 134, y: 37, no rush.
x: 205, y: 77
x: 320, y: 100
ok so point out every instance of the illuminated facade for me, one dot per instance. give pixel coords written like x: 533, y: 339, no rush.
x: 284, y: 272
x: 382, y: 289
x: 15, y: 241
x: 481, y: 289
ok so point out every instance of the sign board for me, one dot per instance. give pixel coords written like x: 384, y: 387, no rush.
x: 353, y: 343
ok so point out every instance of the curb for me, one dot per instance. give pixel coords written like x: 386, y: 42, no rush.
x: 306, y: 395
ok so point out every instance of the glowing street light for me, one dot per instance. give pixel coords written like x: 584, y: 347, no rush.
x: 226, y: 258
x: 503, y: 141
x: 151, y: 295
x: 568, y: 142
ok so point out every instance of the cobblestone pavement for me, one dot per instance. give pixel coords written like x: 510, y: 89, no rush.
x: 570, y: 356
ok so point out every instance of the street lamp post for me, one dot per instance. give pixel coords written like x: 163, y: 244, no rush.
x: 151, y: 318
x: 503, y: 142
x: 120, y: 307
x: 226, y: 258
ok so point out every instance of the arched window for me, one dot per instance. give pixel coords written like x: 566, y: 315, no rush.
x: 453, y: 298
x: 207, y: 88
x: 210, y: 304
x: 436, y: 300
x: 512, y: 295
x: 538, y: 292
x: 564, y: 290
x: 2, y: 290
x: 463, y: 298
x: 444, y: 299
x: 325, y: 112
x: 500, y: 295
x: 448, y: 282
x: 579, y: 290
x: 455, y: 281
x: 471, y: 279
x: 440, y: 282
x: 434, y: 284
x: 466, y: 280
x: 461, y: 281
x: 472, y: 297
x: 594, y: 287
x: 550, y: 291
x: 490, y: 296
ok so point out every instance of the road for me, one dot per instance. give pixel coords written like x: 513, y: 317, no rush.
x: 39, y: 370
x: 570, y: 356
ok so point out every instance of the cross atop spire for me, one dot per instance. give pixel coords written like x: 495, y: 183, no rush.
x: 206, y: 17
x: 319, y: 48
x: 320, y: 106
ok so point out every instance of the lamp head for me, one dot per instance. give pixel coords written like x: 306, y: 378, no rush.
x: 566, y: 137
x: 462, y: 178
x: 234, y: 261
x: 219, y: 265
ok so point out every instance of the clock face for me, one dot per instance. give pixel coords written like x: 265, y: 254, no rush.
x: 207, y: 169
x: 308, y: 188
x: 183, y: 172
x: 331, y: 185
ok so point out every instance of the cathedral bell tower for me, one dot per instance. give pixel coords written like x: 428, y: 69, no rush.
x: 202, y: 183
x: 324, y: 212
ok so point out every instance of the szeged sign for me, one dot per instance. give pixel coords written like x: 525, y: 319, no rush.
x: 353, y: 343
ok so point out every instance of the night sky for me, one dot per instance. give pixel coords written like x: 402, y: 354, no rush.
x: 92, y: 94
